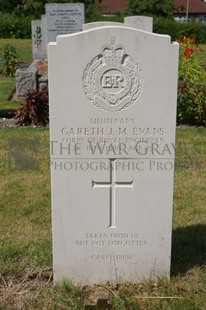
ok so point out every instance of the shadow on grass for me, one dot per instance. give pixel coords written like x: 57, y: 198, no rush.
x: 188, y: 248
x: 7, y: 113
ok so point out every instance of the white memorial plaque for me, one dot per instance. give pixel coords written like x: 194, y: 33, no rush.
x: 113, y: 94
x: 63, y: 18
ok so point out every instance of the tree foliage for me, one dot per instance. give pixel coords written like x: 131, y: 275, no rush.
x: 37, y: 7
x: 9, y: 5
x: 163, y: 8
x: 22, y: 7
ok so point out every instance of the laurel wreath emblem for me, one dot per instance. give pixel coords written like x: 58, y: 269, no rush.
x: 112, y: 59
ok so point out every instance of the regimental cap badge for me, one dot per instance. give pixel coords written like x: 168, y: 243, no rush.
x: 112, y: 80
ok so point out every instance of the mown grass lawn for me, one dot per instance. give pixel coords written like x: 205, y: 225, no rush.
x: 23, y: 47
x: 7, y: 106
x: 25, y: 234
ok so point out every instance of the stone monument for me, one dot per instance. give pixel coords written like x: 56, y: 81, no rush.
x: 63, y: 18
x: 60, y: 18
x: 113, y: 93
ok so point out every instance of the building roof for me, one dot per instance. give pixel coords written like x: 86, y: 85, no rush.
x: 113, y: 6
x: 195, y: 6
x: 117, y: 6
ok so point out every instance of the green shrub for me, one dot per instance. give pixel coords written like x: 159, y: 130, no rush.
x: 10, y: 61
x: 118, y: 304
x: 177, y: 30
x: 35, y: 111
x: 191, y: 103
x: 13, y: 26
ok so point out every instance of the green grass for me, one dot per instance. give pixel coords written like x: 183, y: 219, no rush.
x: 7, y: 106
x: 26, y: 220
x: 25, y: 235
x: 200, y: 50
x: 22, y: 46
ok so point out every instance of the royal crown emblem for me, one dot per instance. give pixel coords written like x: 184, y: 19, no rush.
x: 112, y: 80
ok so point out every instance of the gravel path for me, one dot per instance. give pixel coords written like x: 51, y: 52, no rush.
x: 7, y: 122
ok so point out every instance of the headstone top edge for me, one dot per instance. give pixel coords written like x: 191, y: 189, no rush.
x: 138, y: 16
x: 52, y: 43
x: 36, y: 21
x: 63, y: 4
x: 123, y: 27
x: 103, y: 22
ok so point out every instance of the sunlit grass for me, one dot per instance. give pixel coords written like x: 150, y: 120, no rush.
x: 24, y: 205
x: 22, y: 46
x: 7, y: 86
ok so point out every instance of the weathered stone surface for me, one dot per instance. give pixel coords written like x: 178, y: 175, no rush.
x: 26, y: 79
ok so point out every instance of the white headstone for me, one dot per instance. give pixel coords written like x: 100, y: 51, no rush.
x: 63, y: 18
x: 113, y: 94
x: 36, y: 27
x: 44, y: 35
x: 39, y: 41
x: 140, y: 22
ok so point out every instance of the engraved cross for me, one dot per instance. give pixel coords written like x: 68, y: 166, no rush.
x: 112, y: 185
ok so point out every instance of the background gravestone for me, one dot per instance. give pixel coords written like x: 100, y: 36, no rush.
x: 59, y: 19
x: 36, y: 27
x: 140, y: 22
x: 44, y: 35
x: 39, y: 39
x: 113, y: 94
x: 63, y: 19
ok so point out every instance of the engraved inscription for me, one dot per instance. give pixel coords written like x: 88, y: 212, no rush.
x: 112, y: 185
x: 113, y: 137
x: 112, y: 80
x: 116, y: 257
x: 111, y: 240
x: 63, y: 19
